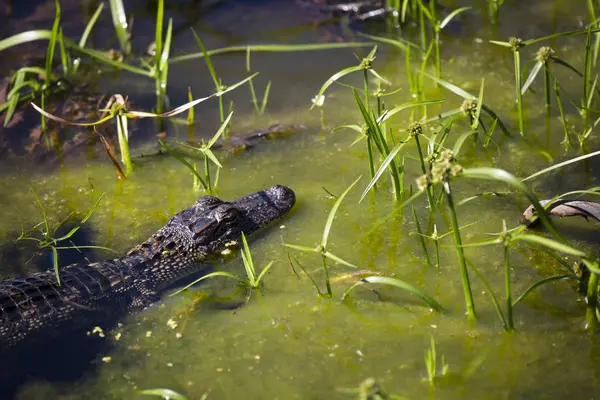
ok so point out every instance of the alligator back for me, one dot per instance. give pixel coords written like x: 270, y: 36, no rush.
x: 88, y: 294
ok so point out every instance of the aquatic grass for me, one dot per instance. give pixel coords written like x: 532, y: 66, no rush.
x: 193, y: 168
x: 116, y: 109
x: 205, y: 150
x: 510, y: 180
x: 596, y: 21
x: 436, y: 238
x: 438, y: 26
x: 191, y: 120
x: 562, y: 164
x: 314, y: 283
x: 431, y: 363
x: 48, y: 65
x: 259, y: 108
x: 365, y: 65
x: 252, y: 281
x: 509, y: 238
x: 322, y: 248
x: 421, y: 236
x: 213, y: 74
x: 160, y: 51
x: 467, y: 291
x: 375, y: 136
x: 416, y: 129
x: 471, y: 108
x: 590, y: 263
x: 516, y: 44
x: 400, y: 284
x: 494, y: 9
x: 48, y: 234
x: 542, y: 60
x: 86, y: 34
x: 119, y: 19
x: 269, y: 48
x: 167, y: 394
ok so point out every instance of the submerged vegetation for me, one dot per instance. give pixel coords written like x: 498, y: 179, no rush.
x: 418, y: 153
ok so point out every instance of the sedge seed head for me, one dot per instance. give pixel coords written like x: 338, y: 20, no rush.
x: 544, y: 53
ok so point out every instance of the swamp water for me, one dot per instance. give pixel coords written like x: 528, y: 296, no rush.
x: 287, y: 342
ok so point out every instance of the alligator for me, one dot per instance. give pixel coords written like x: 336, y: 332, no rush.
x: 40, y: 306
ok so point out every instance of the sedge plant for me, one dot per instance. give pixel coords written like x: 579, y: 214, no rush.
x: 47, y: 234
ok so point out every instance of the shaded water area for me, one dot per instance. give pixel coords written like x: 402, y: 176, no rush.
x: 288, y: 342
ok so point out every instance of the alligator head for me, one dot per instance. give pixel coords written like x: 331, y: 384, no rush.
x: 204, y: 233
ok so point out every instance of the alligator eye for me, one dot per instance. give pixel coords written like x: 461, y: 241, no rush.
x: 230, y: 215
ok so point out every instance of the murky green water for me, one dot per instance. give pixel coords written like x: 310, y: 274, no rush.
x: 287, y: 342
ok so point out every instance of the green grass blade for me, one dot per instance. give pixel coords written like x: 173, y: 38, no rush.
x: 248, y: 262
x: 207, y: 60
x: 158, y: 33
x: 265, y: 99
x: 272, y: 48
x: 167, y: 394
x: 475, y: 123
x: 101, y: 56
x: 334, y: 78
x: 25, y: 37
x: 339, y: 260
x: 511, y: 180
x: 184, y: 162
x: 87, y: 247
x: 451, y: 16
x: 83, y: 220
x: 453, y: 88
x: 540, y: 283
x: 396, y: 42
x: 401, y: 284
x: 549, y: 243
x: 407, y: 106
x: 187, y: 106
x: 42, y: 210
x: 301, y: 248
x: 207, y: 276
x: 90, y: 25
x: 14, y: 96
x: 532, y: 75
x: 55, y: 264
x: 163, y: 66
x: 562, y: 164
x: 119, y: 18
x: 384, y: 165
x: 499, y: 43
x: 52, y: 44
x: 220, y: 131
x: 460, y: 141
x: 64, y: 56
x: 333, y: 211
x: 264, y: 271
x: 208, y: 153
x: 490, y: 291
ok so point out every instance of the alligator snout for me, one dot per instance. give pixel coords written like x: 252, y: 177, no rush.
x: 283, y: 197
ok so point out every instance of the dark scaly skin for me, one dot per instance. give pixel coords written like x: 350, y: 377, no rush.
x: 89, y: 294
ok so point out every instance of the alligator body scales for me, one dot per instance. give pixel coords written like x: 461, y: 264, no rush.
x: 88, y: 294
